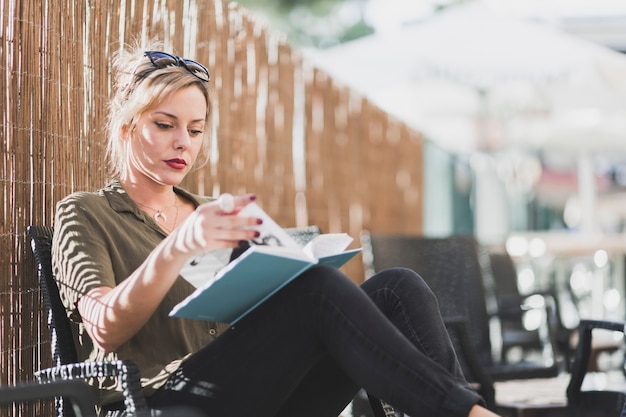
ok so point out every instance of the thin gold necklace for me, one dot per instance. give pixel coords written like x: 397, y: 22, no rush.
x: 159, y: 216
x: 168, y: 230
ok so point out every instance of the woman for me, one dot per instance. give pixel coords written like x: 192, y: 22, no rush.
x: 306, y: 351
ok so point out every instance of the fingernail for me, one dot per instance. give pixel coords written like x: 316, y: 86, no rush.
x: 257, y: 234
x: 259, y: 221
x: 252, y: 197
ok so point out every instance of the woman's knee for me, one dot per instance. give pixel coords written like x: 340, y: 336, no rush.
x: 401, y: 281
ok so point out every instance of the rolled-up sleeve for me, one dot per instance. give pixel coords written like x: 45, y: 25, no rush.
x: 80, y: 258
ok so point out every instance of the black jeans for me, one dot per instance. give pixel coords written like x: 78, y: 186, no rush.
x: 309, y: 348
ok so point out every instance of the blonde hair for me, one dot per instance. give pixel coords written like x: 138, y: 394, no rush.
x: 139, y: 86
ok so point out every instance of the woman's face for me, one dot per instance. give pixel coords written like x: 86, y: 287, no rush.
x: 167, y: 138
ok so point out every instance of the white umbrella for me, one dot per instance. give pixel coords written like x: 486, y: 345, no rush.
x: 471, y: 45
x: 582, y: 130
x: 493, y: 54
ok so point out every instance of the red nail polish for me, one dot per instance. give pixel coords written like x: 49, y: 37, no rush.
x: 259, y: 221
x: 252, y: 197
x: 257, y: 234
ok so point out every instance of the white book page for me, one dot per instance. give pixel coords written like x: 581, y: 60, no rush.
x: 203, y: 268
x: 327, y: 244
x: 271, y: 234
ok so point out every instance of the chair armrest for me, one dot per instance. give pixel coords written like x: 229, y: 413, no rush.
x: 583, y: 352
x: 80, y: 394
x: 457, y: 327
x: 512, y: 306
x: 126, y: 371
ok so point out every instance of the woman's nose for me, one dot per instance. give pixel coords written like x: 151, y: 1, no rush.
x: 182, y: 139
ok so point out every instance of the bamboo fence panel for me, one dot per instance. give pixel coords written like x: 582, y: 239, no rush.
x: 313, y: 151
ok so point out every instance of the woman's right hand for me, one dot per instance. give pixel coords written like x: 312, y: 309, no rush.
x: 209, y: 228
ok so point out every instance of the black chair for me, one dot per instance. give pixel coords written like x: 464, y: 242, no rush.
x: 64, y: 356
x: 510, y: 307
x: 452, y: 268
x: 606, y: 402
x: 501, y: 275
x: 78, y: 394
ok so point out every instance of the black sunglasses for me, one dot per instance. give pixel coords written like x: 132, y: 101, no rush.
x: 163, y: 59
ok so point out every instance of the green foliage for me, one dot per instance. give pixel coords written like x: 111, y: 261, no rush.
x: 322, y: 23
x: 313, y: 23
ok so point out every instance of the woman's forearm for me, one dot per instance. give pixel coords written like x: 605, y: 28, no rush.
x: 113, y: 315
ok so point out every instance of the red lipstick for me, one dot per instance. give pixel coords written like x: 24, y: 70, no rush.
x: 176, y: 163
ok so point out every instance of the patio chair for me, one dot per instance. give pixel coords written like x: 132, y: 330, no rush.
x: 510, y: 308
x: 605, y: 400
x: 502, y: 276
x: 452, y: 269
x: 64, y: 356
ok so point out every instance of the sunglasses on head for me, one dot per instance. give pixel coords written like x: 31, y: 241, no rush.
x: 163, y: 59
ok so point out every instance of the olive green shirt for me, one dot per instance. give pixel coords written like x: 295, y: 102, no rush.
x: 100, y: 239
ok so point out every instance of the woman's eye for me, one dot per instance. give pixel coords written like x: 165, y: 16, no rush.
x: 194, y: 132
x: 163, y: 125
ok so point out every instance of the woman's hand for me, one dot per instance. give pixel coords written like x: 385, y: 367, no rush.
x: 210, y: 228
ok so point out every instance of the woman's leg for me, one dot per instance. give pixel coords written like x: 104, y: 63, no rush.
x: 324, y: 391
x: 407, y: 301
x: 254, y: 368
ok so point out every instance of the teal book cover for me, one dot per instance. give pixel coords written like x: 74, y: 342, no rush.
x: 249, y: 280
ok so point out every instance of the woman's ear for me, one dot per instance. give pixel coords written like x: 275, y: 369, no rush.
x: 125, y: 132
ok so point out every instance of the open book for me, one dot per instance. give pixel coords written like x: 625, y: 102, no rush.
x: 228, y: 290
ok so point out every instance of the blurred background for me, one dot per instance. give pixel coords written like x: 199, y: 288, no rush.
x: 523, y: 107
x: 535, y: 86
